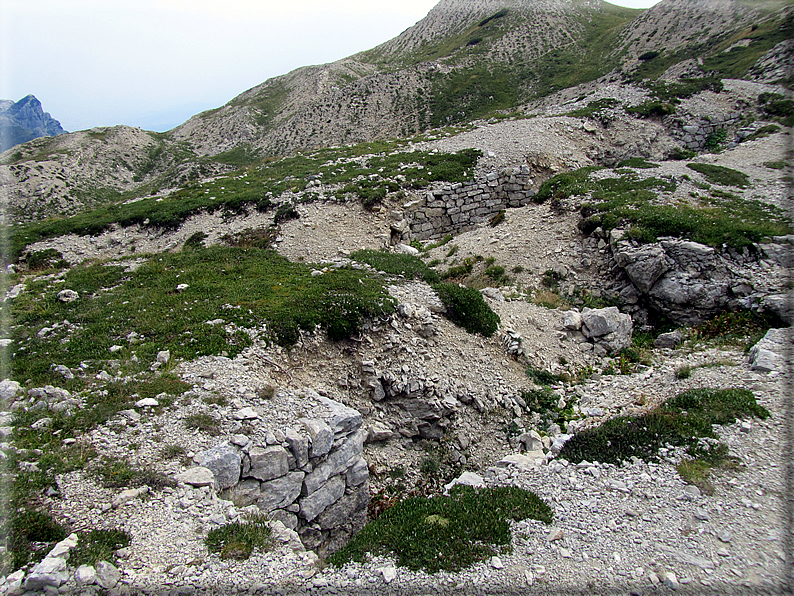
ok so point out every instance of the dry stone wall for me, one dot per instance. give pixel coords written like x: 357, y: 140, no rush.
x: 312, y: 476
x: 694, y: 132
x: 455, y: 208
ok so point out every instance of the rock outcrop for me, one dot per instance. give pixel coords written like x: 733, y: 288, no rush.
x: 24, y: 121
x: 690, y: 282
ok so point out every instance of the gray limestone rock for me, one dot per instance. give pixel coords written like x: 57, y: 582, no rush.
x: 198, y: 477
x: 337, y: 462
x: 314, y: 504
x: 572, y: 319
x: 608, y: 328
x: 68, y: 296
x: 281, y: 492
x: 225, y: 462
x: 299, y: 445
x: 268, y: 463
x: 782, y: 305
x: 107, y: 575
x: 343, y: 420
x: 358, y: 472
x: 321, y: 435
x: 668, y: 340
x: 346, y: 509
x: 49, y: 572
x: 9, y: 389
x: 644, y: 265
x: 244, y: 493
x: 769, y: 354
x: 85, y: 575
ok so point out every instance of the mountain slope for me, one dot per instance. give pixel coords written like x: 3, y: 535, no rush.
x: 466, y: 59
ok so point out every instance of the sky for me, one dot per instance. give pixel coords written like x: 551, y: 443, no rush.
x: 155, y: 63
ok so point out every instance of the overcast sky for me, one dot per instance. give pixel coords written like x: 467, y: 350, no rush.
x: 155, y: 63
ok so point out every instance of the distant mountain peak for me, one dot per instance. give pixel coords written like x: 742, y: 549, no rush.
x: 24, y: 121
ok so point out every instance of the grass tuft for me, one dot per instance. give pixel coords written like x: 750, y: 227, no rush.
x: 721, y: 175
x: 238, y: 540
x: 98, y: 545
x: 408, y: 266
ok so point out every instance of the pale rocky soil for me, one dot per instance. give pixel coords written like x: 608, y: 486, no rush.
x: 623, y: 527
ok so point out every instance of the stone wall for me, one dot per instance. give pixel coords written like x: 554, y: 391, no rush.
x: 455, y: 208
x: 694, y: 131
x: 312, y: 477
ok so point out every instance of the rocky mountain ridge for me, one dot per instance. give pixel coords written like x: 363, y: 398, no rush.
x: 25, y: 120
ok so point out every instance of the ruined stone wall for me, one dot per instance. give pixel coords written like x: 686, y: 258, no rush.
x: 455, y: 208
x: 695, y: 131
x: 312, y: 476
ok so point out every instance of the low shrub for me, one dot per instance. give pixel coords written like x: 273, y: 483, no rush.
x: 682, y: 421
x: 541, y: 377
x: 715, y: 140
x: 742, y: 327
x: 30, y: 536
x: 445, y: 532
x: 98, y: 545
x: 649, y: 109
x: 195, y: 241
x: 467, y: 308
x: 42, y: 260
x: 462, y: 270
x: 203, y: 422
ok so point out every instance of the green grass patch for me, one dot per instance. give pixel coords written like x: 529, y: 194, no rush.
x: 204, y: 422
x: 98, y: 545
x: 682, y: 421
x: 446, y: 532
x: 764, y: 131
x: 721, y: 175
x: 742, y: 328
x: 30, y: 535
x: 629, y: 200
x: 120, y: 473
x: 648, y: 109
x: 637, y: 162
x: 775, y: 165
x: 238, y: 540
x: 407, y: 266
x: 367, y: 171
x: 245, y: 288
x: 467, y: 308
x: 737, y: 61
x: 594, y: 107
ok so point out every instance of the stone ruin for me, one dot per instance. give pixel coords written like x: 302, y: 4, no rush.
x: 312, y: 478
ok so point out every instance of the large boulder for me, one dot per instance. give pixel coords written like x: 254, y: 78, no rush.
x: 225, y: 462
x: 607, y: 327
x: 644, y: 265
x: 769, y: 354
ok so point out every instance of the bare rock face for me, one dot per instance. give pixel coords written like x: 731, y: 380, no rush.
x: 687, y: 281
x: 24, y: 121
